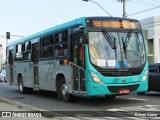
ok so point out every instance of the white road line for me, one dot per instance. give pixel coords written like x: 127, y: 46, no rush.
x: 138, y: 99
x: 73, y: 118
x: 136, y: 118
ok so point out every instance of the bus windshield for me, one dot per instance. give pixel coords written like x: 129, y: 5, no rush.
x: 116, y: 49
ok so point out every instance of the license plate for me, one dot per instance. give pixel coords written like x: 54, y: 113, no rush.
x: 124, y: 91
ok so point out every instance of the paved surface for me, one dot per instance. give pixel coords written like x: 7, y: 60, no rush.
x: 10, y: 108
x: 98, y: 106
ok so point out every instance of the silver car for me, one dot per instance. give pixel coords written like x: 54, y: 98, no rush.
x: 3, y: 76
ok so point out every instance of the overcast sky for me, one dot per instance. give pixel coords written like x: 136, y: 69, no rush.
x: 25, y: 17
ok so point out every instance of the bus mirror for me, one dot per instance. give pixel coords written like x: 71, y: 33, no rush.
x: 84, y: 39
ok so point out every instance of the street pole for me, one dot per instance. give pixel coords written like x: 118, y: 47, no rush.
x: 124, y: 8
x: 99, y: 6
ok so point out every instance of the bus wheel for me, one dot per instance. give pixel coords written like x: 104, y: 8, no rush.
x: 65, y: 95
x: 140, y: 93
x: 23, y: 89
x: 62, y: 91
x: 110, y: 96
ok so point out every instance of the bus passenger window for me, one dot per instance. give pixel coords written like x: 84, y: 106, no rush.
x: 61, y: 48
x: 18, y: 55
x: 27, y: 51
x: 47, y: 46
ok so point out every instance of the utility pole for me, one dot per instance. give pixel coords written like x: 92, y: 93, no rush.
x: 124, y: 7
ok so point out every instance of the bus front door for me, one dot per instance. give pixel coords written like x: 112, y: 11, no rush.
x: 35, y: 51
x: 78, y: 71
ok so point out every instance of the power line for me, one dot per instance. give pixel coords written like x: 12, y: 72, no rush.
x: 143, y: 11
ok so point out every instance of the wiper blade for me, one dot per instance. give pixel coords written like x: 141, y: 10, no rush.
x: 124, y: 48
x: 111, y: 42
x: 129, y: 37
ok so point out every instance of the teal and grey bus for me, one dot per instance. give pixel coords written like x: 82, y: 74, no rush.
x: 88, y: 56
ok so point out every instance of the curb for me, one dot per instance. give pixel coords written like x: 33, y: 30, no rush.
x: 46, y: 113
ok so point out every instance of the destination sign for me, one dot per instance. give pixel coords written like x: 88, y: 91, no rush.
x: 113, y: 24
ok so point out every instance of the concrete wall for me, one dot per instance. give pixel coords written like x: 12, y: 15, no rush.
x: 152, y: 25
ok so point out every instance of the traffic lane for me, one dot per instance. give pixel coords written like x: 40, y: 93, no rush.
x: 48, y: 100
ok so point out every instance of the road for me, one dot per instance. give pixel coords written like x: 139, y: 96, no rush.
x: 48, y: 101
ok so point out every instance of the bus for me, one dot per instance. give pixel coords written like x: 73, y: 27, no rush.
x: 88, y: 56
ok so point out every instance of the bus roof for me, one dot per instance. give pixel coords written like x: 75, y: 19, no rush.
x: 60, y: 27
x: 50, y: 30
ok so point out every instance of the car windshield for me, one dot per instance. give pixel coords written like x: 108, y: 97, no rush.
x: 116, y: 49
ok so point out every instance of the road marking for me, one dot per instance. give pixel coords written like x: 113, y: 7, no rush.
x: 138, y: 99
x: 137, y: 108
x: 72, y: 118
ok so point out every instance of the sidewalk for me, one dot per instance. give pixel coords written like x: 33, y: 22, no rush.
x: 7, y: 108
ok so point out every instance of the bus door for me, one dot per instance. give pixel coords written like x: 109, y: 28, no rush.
x: 11, y: 79
x: 77, y: 58
x: 35, y: 53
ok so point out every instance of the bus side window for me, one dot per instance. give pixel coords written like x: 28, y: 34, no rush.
x: 47, y: 46
x: 61, y: 40
x: 18, y: 55
x: 26, y: 48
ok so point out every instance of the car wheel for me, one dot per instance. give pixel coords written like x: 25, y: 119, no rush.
x: 140, y: 93
x: 5, y: 79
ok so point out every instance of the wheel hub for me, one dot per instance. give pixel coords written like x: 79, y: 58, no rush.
x: 64, y: 90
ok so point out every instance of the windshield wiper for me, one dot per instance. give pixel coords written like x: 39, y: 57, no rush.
x: 124, y: 48
x: 126, y: 42
x: 111, y: 42
x: 129, y: 37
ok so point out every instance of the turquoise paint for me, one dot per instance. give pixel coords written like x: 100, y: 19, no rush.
x: 94, y: 89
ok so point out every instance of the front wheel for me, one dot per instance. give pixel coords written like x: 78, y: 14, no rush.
x: 63, y: 91
x: 140, y: 93
x: 65, y: 95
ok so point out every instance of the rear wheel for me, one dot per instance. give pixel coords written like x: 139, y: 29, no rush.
x: 23, y: 89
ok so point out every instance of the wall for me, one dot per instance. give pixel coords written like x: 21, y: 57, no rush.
x: 152, y: 26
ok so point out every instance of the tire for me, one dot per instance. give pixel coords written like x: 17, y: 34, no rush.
x: 62, y: 91
x: 110, y: 96
x: 22, y: 89
x: 140, y: 93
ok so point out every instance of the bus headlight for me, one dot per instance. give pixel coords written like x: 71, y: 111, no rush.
x: 95, y: 78
x: 145, y: 75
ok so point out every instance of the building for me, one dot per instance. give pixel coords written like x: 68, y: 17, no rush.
x: 2, y: 57
x: 151, y: 27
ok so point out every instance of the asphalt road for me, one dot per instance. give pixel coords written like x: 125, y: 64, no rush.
x: 98, y: 105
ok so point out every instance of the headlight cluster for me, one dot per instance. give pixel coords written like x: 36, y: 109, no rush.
x: 95, y: 78
x: 145, y: 75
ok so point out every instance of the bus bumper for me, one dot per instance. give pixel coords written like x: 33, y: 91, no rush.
x: 95, y: 89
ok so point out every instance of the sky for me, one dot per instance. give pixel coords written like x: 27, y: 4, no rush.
x: 26, y: 17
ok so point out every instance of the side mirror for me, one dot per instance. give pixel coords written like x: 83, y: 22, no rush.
x: 83, y: 39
